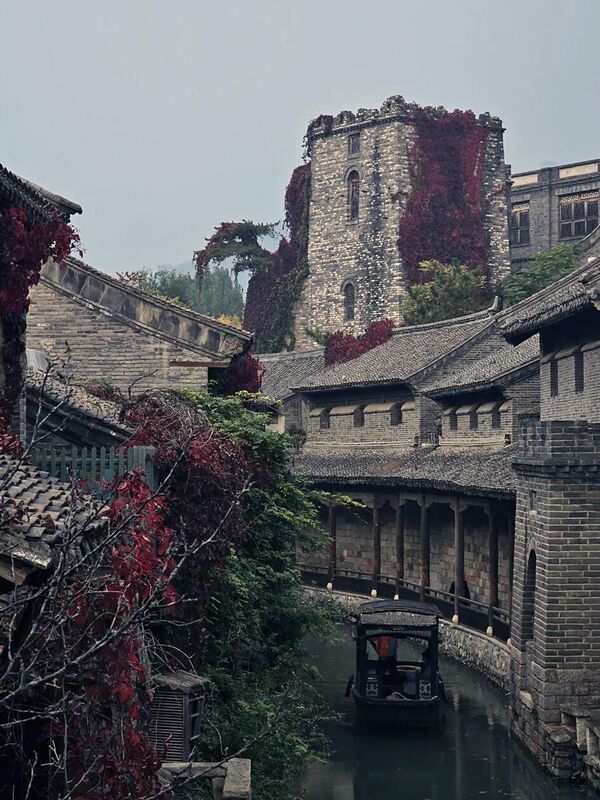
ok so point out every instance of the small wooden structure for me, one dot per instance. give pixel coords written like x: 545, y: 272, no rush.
x: 176, y: 713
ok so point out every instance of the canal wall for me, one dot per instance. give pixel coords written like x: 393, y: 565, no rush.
x: 483, y: 653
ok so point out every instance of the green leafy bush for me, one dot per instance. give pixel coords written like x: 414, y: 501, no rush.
x: 452, y: 291
x: 545, y: 268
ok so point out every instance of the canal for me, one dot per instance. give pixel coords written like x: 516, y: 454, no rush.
x: 471, y: 756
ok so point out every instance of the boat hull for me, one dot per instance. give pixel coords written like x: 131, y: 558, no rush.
x: 397, y: 713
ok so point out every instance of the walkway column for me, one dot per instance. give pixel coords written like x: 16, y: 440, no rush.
x: 493, y: 567
x: 459, y: 560
x: 424, y: 559
x: 376, y: 547
x: 399, y: 544
x: 511, y: 556
x: 332, y: 542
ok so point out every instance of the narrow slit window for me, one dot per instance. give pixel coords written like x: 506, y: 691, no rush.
x: 496, y: 419
x: 473, y: 420
x: 349, y: 301
x: 353, y: 144
x: 554, y: 378
x: 453, y: 419
x: 579, y: 372
x: 353, y: 195
x: 324, y: 419
x: 359, y: 417
x: 396, y: 414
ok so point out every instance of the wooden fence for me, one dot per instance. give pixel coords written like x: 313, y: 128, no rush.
x: 97, y: 465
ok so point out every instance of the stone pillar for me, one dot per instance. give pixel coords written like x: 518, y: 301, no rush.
x: 493, y: 566
x: 511, y: 556
x: 425, y: 548
x: 399, y: 544
x: 332, y: 542
x: 459, y: 559
x: 376, y: 547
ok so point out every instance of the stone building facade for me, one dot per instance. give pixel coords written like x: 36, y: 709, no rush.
x: 555, y: 636
x: 110, y: 331
x: 359, y: 188
x: 554, y: 205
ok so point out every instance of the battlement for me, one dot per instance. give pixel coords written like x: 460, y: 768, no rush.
x: 395, y: 108
x: 561, y: 442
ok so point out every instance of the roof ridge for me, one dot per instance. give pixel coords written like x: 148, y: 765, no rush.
x: 445, y: 323
x: 291, y: 353
x: 121, y: 285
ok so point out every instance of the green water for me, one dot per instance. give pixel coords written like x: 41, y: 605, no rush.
x: 471, y: 756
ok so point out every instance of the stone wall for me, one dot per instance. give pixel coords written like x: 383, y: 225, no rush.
x: 363, y: 251
x: 556, y: 602
x: 354, y: 551
x: 478, y: 424
x: 567, y: 400
x: 104, y: 347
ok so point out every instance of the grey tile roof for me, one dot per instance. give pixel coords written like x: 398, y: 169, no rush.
x: 285, y: 370
x: 74, y: 402
x: 567, y: 296
x: 491, y: 361
x: 409, y: 351
x: 21, y: 193
x: 477, y: 471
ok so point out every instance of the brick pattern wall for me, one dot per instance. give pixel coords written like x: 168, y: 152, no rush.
x: 364, y: 251
x: 557, y: 517
x: 104, y: 347
x: 486, y: 434
x: 542, y: 190
x: 377, y: 427
x: 568, y: 403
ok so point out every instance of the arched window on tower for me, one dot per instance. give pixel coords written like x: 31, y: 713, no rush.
x: 353, y: 194
x: 349, y: 298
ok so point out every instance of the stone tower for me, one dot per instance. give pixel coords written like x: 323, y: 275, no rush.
x: 361, y: 181
x: 555, y: 632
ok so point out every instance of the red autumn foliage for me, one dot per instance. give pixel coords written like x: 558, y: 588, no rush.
x: 343, y: 346
x: 443, y: 220
x: 245, y: 374
x: 273, y: 291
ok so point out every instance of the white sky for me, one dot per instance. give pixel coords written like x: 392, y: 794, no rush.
x: 164, y: 117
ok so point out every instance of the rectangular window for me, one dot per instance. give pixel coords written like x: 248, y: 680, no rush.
x: 554, y: 378
x: 578, y: 214
x: 453, y: 422
x: 519, y: 223
x: 353, y: 144
x: 579, y: 374
x: 473, y: 420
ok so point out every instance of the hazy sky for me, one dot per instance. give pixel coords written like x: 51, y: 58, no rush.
x: 164, y: 117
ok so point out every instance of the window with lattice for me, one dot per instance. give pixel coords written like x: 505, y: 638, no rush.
x: 519, y: 223
x: 578, y: 214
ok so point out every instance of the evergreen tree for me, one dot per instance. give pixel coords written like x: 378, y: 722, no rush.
x: 454, y: 290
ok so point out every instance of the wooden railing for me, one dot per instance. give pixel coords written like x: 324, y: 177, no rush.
x: 97, y: 465
x: 472, y: 613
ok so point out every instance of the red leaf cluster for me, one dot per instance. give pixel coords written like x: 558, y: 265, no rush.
x: 245, y: 374
x: 343, y: 346
x: 273, y: 291
x: 444, y: 217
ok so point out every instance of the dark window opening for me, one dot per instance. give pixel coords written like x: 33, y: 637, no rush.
x: 359, y: 417
x: 353, y: 194
x: 519, y: 224
x: 473, y: 420
x: 396, y: 414
x: 579, y: 373
x: 349, y: 300
x: 324, y: 419
x: 578, y: 215
x: 528, y: 622
x: 354, y: 144
x: 554, y: 378
x: 465, y: 592
x: 496, y: 418
x: 453, y: 422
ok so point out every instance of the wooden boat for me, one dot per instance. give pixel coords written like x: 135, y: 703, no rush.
x: 393, y: 684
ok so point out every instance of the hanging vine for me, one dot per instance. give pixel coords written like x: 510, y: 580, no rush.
x: 444, y: 215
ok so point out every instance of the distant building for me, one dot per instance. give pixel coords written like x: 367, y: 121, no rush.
x: 554, y: 205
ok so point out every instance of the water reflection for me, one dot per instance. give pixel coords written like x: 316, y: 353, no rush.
x: 471, y: 756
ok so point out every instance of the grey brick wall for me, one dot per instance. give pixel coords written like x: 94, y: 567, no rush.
x: 555, y: 628
x: 104, y: 347
x: 364, y: 251
x: 569, y: 403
